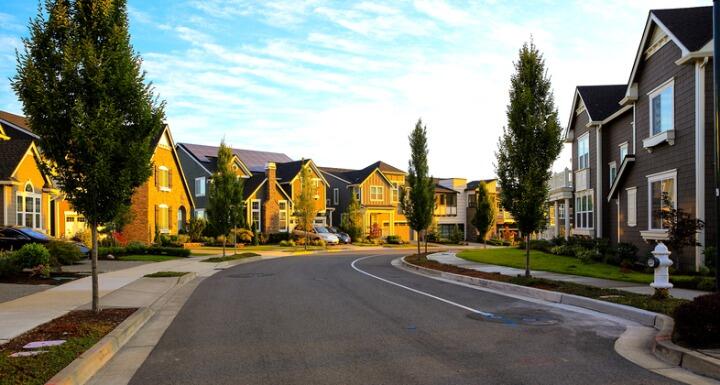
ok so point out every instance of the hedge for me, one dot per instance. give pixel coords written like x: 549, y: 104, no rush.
x: 136, y: 249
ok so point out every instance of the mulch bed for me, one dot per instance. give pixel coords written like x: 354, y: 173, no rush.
x: 27, y: 279
x: 81, y: 329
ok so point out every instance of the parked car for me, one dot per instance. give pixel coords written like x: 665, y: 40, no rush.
x: 344, y: 237
x: 13, y: 238
x: 315, y: 233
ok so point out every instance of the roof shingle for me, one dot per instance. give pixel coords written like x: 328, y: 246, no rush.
x: 692, y: 26
x: 603, y: 100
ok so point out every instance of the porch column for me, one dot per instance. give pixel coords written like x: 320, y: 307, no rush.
x: 567, y: 218
x: 392, y: 223
x: 556, y: 219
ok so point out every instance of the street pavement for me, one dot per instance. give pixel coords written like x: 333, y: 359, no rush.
x: 317, y: 320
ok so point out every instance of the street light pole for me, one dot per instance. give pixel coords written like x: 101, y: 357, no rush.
x: 716, y: 136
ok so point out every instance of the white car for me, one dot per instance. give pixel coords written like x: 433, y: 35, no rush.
x: 317, y: 232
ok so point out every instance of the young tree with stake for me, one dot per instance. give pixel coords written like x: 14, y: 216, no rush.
x: 529, y: 145
x: 225, y: 196
x: 484, y: 213
x: 84, y: 93
x: 418, y: 198
x: 305, y: 208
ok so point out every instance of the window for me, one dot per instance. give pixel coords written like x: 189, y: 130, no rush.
x: 395, y: 192
x: 584, y: 211
x: 283, y: 216
x: 200, y: 213
x: 583, y: 151
x: 161, y: 219
x: 660, y: 185
x: 200, y: 186
x: 28, y: 208
x: 376, y: 193
x: 632, y: 206
x: 336, y: 196
x: 162, y: 178
x: 561, y: 209
x: 357, y: 191
x: 623, y: 151
x: 472, y: 199
x: 612, y: 172
x: 661, y: 108
x: 255, y: 214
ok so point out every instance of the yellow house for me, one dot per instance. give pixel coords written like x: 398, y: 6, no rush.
x: 163, y: 204
x: 28, y: 197
x: 504, y: 225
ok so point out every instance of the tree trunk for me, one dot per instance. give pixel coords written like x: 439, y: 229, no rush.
x: 418, y: 241
x: 94, y: 270
x: 224, y: 241
x: 527, y: 255
x: 425, y: 239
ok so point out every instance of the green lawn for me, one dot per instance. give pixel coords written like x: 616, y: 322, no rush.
x: 146, y: 258
x: 513, y: 257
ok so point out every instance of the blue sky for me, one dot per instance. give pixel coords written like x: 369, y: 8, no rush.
x: 343, y: 83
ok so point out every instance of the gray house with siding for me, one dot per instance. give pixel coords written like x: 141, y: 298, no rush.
x: 634, y: 142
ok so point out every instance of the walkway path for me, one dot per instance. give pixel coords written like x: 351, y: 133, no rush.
x: 450, y: 258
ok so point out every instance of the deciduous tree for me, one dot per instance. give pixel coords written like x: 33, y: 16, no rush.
x: 84, y: 93
x: 484, y: 213
x: 305, y: 208
x: 225, y: 196
x: 418, y: 198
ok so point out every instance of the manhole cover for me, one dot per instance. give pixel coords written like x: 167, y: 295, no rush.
x: 250, y: 275
x: 515, y: 319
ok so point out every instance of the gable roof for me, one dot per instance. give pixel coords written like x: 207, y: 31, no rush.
x: 205, y: 158
x: 384, y: 167
x: 443, y: 189
x: 689, y: 28
x: 692, y: 35
x: 472, y: 185
x: 173, y: 150
x: 253, y: 161
x: 288, y: 171
x: 601, y: 101
x: 18, y: 123
x: 12, y: 153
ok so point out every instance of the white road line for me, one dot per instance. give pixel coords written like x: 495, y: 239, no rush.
x: 485, y: 314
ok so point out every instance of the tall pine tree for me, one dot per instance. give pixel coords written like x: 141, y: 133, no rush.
x: 418, y: 198
x: 529, y: 145
x: 84, y: 93
x: 484, y: 212
x: 225, y: 196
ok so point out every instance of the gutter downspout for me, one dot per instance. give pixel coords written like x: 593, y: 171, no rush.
x: 598, y: 187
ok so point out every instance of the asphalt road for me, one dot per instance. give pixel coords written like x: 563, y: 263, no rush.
x: 316, y: 320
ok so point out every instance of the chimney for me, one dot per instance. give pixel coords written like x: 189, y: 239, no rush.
x: 271, y: 209
x: 271, y: 172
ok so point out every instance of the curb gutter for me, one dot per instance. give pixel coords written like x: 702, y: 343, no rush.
x: 662, y: 346
x: 91, y: 361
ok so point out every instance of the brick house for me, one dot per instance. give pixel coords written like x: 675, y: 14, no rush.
x: 634, y: 142
x: 163, y: 203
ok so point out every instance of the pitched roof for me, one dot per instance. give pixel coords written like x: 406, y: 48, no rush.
x: 692, y: 26
x: 251, y: 184
x: 601, y: 101
x: 384, y: 167
x: 11, y: 153
x: 288, y: 170
x: 472, y: 185
x: 334, y: 170
x: 443, y: 189
x: 254, y: 160
x: 17, y: 120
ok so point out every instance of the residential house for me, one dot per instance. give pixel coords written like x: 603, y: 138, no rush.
x: 635, y: 142
x: 377, y: 188
x: 559, y: 202
x: 503, y: 226
x: 28, y: 196
x: 289, y: 176
x: 163, y: 204
x: 450, y: 207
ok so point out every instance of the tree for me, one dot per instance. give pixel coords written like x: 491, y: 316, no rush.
x: 84, y: 93
x: 529, y: 145
x: 305, y: 208
x: 352, y: 220
x: 225, y: 196
x: 681, y: 226
x: 484, y: 213
x: 418, y: 199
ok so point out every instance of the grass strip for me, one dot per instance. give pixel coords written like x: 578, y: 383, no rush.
x: 230, y: 257
x: 146, y: 258
x: 640, y: 301
x: 166, y: 274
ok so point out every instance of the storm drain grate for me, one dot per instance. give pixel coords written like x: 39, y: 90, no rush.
x: 515, y: 319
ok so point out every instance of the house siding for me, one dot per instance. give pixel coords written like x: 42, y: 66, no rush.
x: 616, y: 132
x: 193, y: 170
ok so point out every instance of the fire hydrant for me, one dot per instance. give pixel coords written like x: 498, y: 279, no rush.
x: 661, y: 262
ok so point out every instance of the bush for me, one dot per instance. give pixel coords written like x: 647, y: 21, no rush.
x: 133, y: 249
x: 9, y: 265
x: 564, y: 250
x: 394, y: 240
x: 195, y: 228
x: 278, y: 237
x: 537, y: 244
x: 697, y: 323
x: 243, y: 235
x: 586, y: 256
x: 457, y: 236
x: 558, y: 241
x: 33, y: 255
x: 172, y: 251
x: 183, y: 238
x: 317, y: 242
x: 289, y: 243
x: 706, y: 284
x: 136, y: 248
x: 63, y: 253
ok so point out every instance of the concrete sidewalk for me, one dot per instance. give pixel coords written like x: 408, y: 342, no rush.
x: 23, y: 314
x: 450, y: 258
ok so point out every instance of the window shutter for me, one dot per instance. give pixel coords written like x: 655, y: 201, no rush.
x: 155, y: 173
x: 632, y: 207
x: 170, y: 217
x: 170, y: 178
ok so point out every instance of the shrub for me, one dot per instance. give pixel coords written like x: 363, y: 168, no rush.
x: 84, y: 237
x: 243, y: 235
x: 290, y: 243
x: 697, y: 323
x: 136, y: 248
x: 195, y: 228
x: 9, y: 264
x: 172, y: 251
x: 278, y: 237
x: 537, y: 244
x: 317, y: 242
x: 183, y: 238
x: 63, y: 253
x: 564, y: 250
x: 394, y: 240
x: 32, y: 255
x: 586, y: 256
x: 706, y: 284
x: 558, y: 241
x: 457, y: 236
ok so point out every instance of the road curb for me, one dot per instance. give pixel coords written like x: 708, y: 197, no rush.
x: 661, y: 344
x: 92, y: 360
